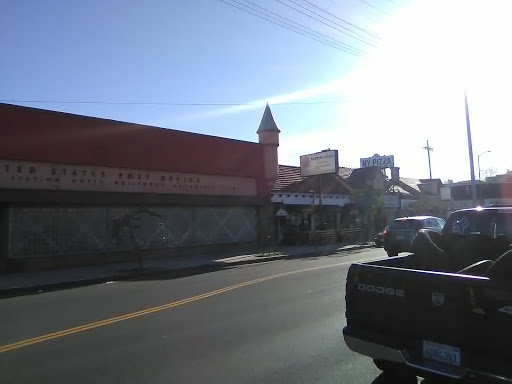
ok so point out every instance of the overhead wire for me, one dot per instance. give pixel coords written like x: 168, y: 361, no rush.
x: 164, y: 103
x: 323, y: 22
x: 343, y: 20
x: 324, y: 36
x: 374, y: 7
x: 295, y: 30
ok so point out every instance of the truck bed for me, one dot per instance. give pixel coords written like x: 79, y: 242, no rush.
x: 454, y: 324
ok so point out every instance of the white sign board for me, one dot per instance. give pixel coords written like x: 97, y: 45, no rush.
x: 319, y: 163
x: 378, y: 161
x: 31, y: 175
x: 446, y: 193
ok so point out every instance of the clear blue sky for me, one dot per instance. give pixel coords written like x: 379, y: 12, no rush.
x: 403, y: 88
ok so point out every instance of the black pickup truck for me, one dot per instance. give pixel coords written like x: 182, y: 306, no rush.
x: 444, y: 310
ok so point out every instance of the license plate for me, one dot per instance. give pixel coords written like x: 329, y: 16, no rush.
x: 400, y: 237
x: 441, y: 352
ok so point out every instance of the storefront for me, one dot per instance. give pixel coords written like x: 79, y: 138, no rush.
x: 300, y: 209
x: 76, y: 189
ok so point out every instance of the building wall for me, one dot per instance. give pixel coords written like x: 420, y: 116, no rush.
x: 30, y: 134
x: 66, y: 180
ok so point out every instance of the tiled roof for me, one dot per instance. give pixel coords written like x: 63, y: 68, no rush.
x: 345, y: 172
x: 413, y: 183
x: 287, y: 174
x: 398, y: 189
x: 406, y: 186
x: 360, y: 176
x: 464, y: 182
x: 332, y: 184
x: 290, y: 179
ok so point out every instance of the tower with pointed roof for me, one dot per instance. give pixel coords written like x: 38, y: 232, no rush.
x: 268, y: 136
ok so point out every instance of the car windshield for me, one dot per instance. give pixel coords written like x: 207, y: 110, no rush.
x: 406, y: 224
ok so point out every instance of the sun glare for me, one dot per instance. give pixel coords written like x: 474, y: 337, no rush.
x: 412, y: 86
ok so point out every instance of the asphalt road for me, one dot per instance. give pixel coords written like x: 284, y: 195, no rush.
x: 277, y: 322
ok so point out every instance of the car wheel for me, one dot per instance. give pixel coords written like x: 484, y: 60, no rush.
x: 396, y: 370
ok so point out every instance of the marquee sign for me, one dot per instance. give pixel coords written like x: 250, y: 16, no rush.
x: 35, y: 175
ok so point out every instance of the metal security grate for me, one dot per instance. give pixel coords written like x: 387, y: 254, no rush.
x: 51, y: 231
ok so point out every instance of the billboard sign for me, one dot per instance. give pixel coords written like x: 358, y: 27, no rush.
x: 319, y: 163
x: 378, y: 161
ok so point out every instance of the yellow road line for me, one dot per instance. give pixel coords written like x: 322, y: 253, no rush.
x: 101, y: 323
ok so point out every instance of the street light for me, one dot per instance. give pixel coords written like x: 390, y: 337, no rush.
x: 478, y: 159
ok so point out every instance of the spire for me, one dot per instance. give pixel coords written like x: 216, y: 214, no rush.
x: 267, y: 122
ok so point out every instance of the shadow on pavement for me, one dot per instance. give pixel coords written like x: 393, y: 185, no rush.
x: 386, y: 378
x: 161, y: 273
x: 345, y: 252
x: 132, y: 274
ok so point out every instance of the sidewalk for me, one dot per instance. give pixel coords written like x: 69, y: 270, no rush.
x: 34, y: 281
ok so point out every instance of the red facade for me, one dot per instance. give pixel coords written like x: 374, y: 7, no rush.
x: 39, y: 135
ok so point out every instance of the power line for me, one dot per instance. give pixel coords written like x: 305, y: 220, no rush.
x: 167, y: 103
x: 345, y: 21
x: 374, y: 7
x: 302, y: 26
x: 290, y: 29
x: 314, y: 18
x: 300, y: 32
x: 330, y: 21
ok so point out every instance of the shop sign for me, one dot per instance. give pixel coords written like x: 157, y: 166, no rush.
x: 378, y: 161
x: 319, y: 163
x: 36, y: 175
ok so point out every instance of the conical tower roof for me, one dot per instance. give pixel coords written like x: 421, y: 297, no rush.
x: 268, y: 123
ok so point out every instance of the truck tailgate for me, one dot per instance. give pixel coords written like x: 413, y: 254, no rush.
x: 457, y: 320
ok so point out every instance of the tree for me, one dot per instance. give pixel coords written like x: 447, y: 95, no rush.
x: 489, y: 172
x: 378, y: 214
x: 449, y: 181
x: 370, y: 205
x: 420, y: 207
x: 130, y: 221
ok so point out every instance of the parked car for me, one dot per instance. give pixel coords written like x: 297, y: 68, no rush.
x: 401, y: 231
x: 379, y: 237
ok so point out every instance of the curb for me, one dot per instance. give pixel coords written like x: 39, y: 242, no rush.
x: 211, y: 267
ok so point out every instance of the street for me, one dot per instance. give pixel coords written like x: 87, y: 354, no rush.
x: 275, y: 322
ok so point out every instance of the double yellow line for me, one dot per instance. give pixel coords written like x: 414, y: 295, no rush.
x: 97, y: 324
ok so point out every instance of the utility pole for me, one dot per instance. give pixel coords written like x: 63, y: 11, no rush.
x: 470, y: 147
x: 429, y: 149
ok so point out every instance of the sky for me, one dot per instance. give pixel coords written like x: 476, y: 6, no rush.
x: 385, y: 77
